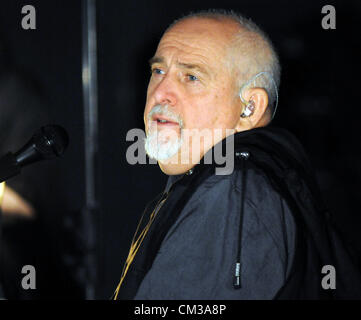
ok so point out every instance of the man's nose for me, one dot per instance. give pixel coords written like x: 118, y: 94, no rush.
x: 165, y: 92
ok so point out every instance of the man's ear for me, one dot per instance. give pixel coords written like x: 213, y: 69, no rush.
x: 257, y: 118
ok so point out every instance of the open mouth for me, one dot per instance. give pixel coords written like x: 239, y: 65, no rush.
x: 162, y: 120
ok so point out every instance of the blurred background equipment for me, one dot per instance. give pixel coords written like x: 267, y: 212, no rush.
x: 34, y: 210
x: 91, y: 210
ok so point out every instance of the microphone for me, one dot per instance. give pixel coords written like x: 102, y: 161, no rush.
x: 47, y: 143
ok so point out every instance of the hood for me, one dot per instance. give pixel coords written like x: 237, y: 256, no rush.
x: 273, y: 148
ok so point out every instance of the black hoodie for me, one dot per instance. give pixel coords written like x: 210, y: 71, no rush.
x: 261, y: 232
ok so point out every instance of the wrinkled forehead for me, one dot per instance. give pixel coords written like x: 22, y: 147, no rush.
x: 207, y: 39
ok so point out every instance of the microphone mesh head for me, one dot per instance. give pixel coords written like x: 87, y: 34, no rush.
x: 51, y: 141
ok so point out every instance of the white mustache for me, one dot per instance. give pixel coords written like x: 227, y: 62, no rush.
x: 164, y: 110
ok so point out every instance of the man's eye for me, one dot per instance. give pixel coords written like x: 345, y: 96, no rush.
x: 157, y: 71
x: 191, y: 77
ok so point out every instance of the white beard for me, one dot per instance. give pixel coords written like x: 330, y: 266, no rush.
x: 162, y: 144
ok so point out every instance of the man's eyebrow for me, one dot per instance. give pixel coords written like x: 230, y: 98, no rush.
x: 155, y: 59
x: 193, y: 66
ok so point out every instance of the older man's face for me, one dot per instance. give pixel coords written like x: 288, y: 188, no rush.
x: 191, y: 87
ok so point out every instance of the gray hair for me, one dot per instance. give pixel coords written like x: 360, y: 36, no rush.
x: 261, y: 68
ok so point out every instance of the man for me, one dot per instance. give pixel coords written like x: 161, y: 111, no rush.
x: 258, y: 231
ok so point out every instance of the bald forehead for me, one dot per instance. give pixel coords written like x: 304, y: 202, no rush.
x: 222, y: 29
x: 202, y: 38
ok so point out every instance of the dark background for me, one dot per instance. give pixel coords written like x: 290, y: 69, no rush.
x: 319, y: 103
